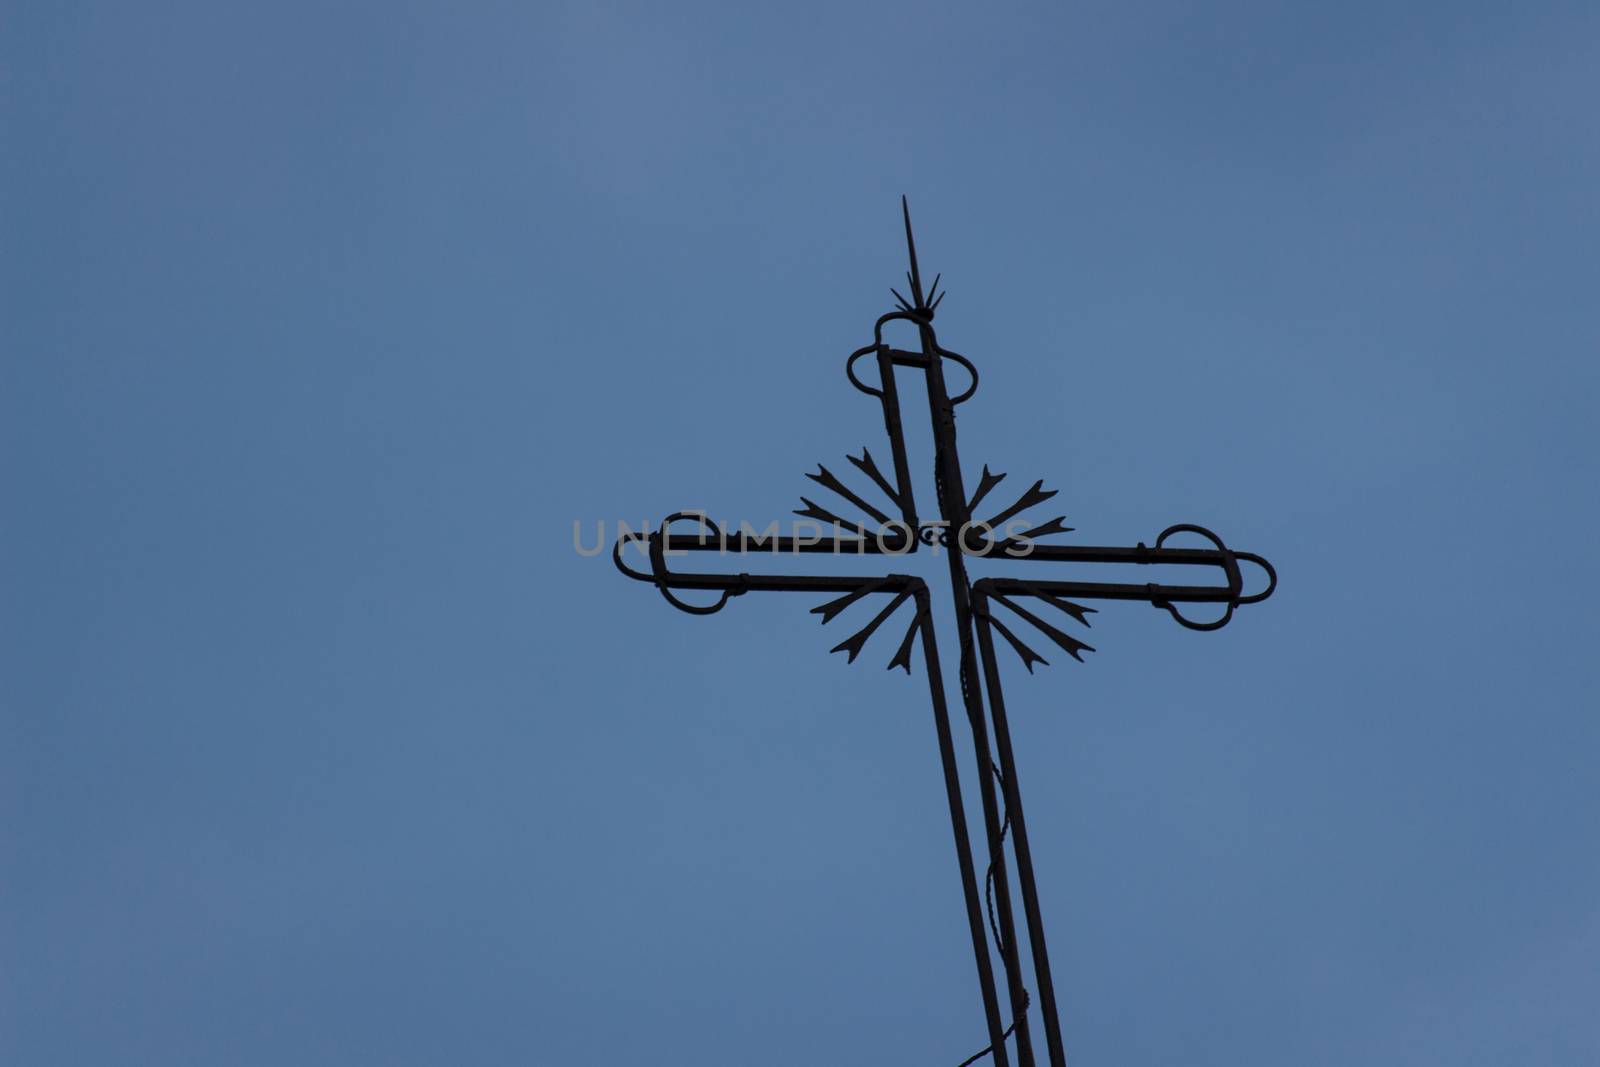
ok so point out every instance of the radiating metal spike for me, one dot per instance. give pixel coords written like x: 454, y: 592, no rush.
x: 1029, y: 656
x: 1036, y: 494
x: 985, y: 483
x: 1044, y: 529
x: 902, y: 658
x: 822, y: 514
x: 833, y: 607
x: 1077, y: 611
x: 827, y: 480
x: 870, y: 469
x: 1069, y: 644
x: 853, y: 644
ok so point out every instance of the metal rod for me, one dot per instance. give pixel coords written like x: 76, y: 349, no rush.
x: 1010, y: 952
x: 892, y: 543
x: 958, y: 824
x: 897, y: 438
x: 1019, y: 840
x: 1109, y: 554
x: 1152, y: 591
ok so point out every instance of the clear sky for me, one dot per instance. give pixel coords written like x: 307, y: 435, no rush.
x: 322, y: 323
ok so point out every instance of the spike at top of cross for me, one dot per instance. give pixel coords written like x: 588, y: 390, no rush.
x: 919, y: 306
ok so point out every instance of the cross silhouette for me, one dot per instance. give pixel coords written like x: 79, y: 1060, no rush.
x: 883, y: 534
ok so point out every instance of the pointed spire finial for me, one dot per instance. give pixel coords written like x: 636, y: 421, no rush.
x: 911, y: 247
x: 922, y: 305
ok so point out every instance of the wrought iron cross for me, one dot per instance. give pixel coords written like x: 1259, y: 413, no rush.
x: 899, y: 531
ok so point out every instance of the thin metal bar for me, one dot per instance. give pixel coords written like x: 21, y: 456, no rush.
x: 897, y: 437
x: 1009, y: 950
x: 1019, y: 840
x: 901, y: 358
x: 1107, y: 554
x: 890, y: 544
x: 958, y: 824
x: 1188, y: 594
x: 781, y: 583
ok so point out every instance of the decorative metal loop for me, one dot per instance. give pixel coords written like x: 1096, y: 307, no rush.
x: 698, y: 609
x: 616, y: 557
x: 967, y: 363
x: 850, y: 371
x: 921, y: 319
x: 1272, y: 578
x: 660, y: 576
x: 1189, y: 527
x: 1229, y: 564
x: 658, y: 563
x: 1190, y: 624
x: 896, y: 316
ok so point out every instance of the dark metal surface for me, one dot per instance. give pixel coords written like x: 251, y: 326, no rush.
x: 894, y: 529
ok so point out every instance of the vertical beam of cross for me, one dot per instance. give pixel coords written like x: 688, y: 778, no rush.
x: 956, y: 516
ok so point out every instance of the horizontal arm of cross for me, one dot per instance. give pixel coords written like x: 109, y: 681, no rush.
x: 659, y: 545
x: 662, y: 543
x: 1230, y: 593
x: 735, y: 584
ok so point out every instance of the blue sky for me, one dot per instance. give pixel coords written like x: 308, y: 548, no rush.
x: 323, y: 324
